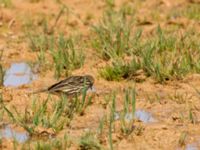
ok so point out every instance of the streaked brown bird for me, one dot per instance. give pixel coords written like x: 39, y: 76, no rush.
x: 70, y: 86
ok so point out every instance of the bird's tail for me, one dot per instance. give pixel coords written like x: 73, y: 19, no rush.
x: 39, y: 91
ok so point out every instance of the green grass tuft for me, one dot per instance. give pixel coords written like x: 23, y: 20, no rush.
x: 66, y: 55
x: 119, y: 70
x: 89, y: 142
x: 6, y: 3
x: 49, y: 45
x: 113, y: 34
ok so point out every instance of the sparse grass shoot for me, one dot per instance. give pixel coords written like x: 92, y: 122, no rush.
x: 192, y: 11
x: 127, y: 117
x: 66, y: 55
x: 39, y: 116
x: 182, y: 138
x: 6, y: 3
x: 119, y: 121
x: 52, y: 144
x: 164, y: 57
x: 63, y: 50
x: 119, y: 70
x: 89, y: 142
x: 167, y: 57
x: 113, y: 35
x: 49, y: 114
x: 2, y: 72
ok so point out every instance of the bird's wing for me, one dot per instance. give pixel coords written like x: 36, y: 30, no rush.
x: 68, y: 85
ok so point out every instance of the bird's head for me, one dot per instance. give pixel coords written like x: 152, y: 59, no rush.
x: 89, y: 80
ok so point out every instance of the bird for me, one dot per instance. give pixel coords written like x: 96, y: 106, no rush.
x: 70, y: 86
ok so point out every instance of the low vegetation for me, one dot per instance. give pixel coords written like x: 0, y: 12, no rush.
x: 130, y: 43
x: 66, y: 55
x: 164, y: 55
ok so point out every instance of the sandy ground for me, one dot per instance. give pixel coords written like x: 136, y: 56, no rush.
x: 170, y: 104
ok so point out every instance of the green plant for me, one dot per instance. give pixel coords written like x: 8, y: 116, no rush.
x: 163, y: 55
x: 192, y: 117
x: 126, y: 125
x: 2, y: 72
x: 182, y: 138
x: 55, y: 116
x: 101, y: 125
x: 6, y: 3
x: 119, y: 70
x: 113, y: 34
x: 111, y: 120
x: 192, y: 11
x: 1, y: 146
x: 89, y: 142
x: 167, y: 57
x: 1, y: 108
x: 66, y: 55
x: 35, y: 1
x: 110, y: 3
x: 40, y: 117
x: 61, y: 143
x: 40, y: 39
x: 80, y: 105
